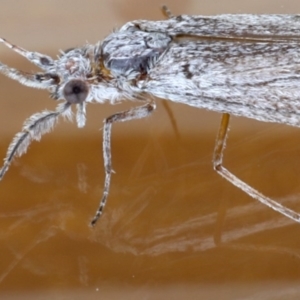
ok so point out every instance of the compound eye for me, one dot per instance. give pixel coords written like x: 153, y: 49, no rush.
x: 75, y: 91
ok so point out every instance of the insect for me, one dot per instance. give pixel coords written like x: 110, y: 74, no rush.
x: 245, y: 65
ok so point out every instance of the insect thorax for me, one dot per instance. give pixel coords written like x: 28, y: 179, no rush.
x: 110, y: 69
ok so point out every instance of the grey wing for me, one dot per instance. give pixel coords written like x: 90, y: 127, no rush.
x: 227, y: 25
x: 256, y: 80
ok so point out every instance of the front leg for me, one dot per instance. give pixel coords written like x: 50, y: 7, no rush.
x: 33, y: 129
x: 134, y: 113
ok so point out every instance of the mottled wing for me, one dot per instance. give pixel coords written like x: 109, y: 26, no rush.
x: 251, y: 26
x: 260, y: 80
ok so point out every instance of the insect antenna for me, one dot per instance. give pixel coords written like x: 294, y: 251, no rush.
x: 40, y: 60
x: 35, y: 80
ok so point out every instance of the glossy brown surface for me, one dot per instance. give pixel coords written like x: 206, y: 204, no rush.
x: 172, y: 228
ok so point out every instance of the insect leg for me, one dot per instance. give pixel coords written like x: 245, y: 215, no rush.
x: 217, y: 163
x: 134, y: 113
x: 33, y: 129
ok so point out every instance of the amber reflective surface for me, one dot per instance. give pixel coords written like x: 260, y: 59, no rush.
x: 172, y: 228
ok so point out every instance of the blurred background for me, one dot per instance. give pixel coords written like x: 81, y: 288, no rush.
x: 172, y: 228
